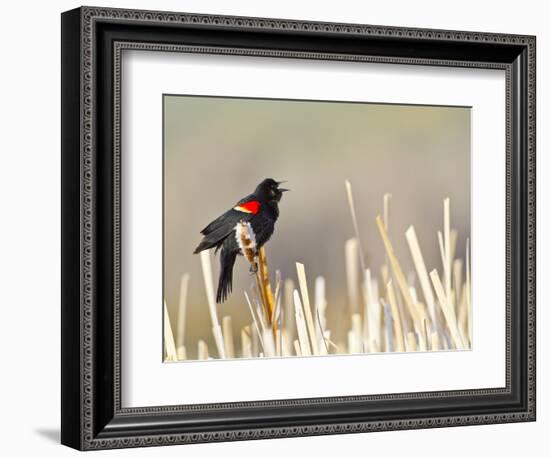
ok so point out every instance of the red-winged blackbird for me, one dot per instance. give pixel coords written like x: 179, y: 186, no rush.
x: 258, y: 211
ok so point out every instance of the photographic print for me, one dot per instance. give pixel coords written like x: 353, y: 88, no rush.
x: 344, y: 222
x: 297, y: 228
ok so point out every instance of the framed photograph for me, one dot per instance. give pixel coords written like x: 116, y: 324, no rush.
x: 276, y: 228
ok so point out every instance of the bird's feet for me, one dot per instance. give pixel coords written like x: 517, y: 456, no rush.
x: 254, y: 268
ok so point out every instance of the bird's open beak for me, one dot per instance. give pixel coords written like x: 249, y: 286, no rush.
x: 282, y: 189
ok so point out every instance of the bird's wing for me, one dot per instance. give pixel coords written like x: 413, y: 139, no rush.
x: 244, y: 210
x: 220, y: 228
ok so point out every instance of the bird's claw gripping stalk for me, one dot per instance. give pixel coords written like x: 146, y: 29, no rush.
x: 258, y: 266
x: 254, y: 266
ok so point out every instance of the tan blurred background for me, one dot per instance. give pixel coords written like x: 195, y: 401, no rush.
x: 217, y: 150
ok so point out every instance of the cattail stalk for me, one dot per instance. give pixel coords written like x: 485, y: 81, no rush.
x: 469, y: 292
x: 305, y: 349
x: 396, y: 318
x: 228, y: 336
x: 398, y: 273
x: 447, y: 238
x: 209, y: 286
x: 355, y: 225
x: 246, y: 342
x: 411, y: 342
x: 264, y: 286
x: 422, y: 272
x: 182, y: 310
x: 254, y: 319
x: 447, y: 310
x: 307, y: 307
x: 352, y: 273
x: 203, y: 349
x: 169, y: 343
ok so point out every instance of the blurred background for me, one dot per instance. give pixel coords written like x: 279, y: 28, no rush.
x: 216, y: 150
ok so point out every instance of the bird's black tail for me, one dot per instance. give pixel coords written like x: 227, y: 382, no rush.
x: 225, y: 283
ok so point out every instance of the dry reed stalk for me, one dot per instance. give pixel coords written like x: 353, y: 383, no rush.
x: 355, y: 225
x: 203, y: 350
x: 331, y: 343
x: 385, y: 274
x: 279, y: 316
x: 307, y: 308
x: 286, y: 343
x: 256, y: 342
x: 246, y: 342
x: 264, y: 286
x: 447, y: 310
x: 265, y: 329
x: 324, y: 349
x: 388, y: 324
x: 424, y: 341
x: 352, y: 273
x: 209, y: 286
x: 441, y: 242
x: 357, y: 332
x: 365, y: 318
x: 320, y: 313
x: 303, y: 339
x: 457, y: 279
x: 398, y: 273
x: 447, y: 240
x: 289, y: 308
x: 469, y: 292
x: 454, y: 239
x: 387, y: 198
x: 463, y: 317
x: 254, y: 319
x: 169, y: 343
x: 373, y: 314
x: 228, y: 336
x: 277, y: 311
x: 411, y: 342
x: 269, y: 343
x: 446, y: 341
x: 435, y: 342
x: 321, y: 302
x: 182, y: 310
x: 406, y: 318
x: 422, y: 272
x: 281, y: 332
x: 368, y: 299
x: 396, y: 318
x: 278, y: 343
x: 260, y: 313
x: 457, y: 282
x: 462, y: 310
x: 422, y: 314
x: 352, y: 345
x: 297, y: 348
x: 182, y: 353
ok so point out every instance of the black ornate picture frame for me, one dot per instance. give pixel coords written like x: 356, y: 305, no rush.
x: 92, y: 42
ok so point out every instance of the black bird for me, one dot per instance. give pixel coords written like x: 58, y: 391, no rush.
x: 258, y: 211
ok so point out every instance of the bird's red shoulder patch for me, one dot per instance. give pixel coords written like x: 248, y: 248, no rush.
x: 252, y: 206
